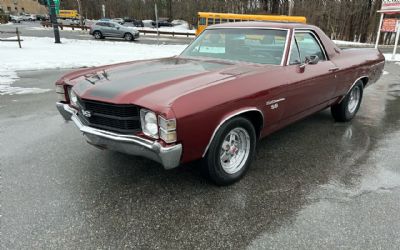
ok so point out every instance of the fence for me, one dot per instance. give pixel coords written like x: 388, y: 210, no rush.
x: 12, y: 40
x: 143, y: 31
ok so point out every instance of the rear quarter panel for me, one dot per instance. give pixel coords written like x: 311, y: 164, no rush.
x: 355, y: 64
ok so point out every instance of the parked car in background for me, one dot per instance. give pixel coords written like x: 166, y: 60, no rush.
x: 236, y: 83
x: 42, y: 17
x: 137, y: 23
x: 28, y: 17
x: 118, y: 20
x: 127, y: 19
x: 161, y: 23
x: 111, y: 29
x: 105, y: 19
x: 148, y: 23
x: 16, y: 19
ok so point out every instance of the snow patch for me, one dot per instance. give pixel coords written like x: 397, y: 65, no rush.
x: 390, y: 58
x: 340, y: 42
x: 42, y: 53
x: 385, y: 72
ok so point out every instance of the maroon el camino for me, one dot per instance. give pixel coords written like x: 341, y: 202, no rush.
x: 236, y: 83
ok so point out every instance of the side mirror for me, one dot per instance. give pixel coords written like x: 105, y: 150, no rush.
x: 117, y: 28
x: 312, y: 60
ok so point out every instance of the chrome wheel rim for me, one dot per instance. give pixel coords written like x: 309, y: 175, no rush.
x: 97, y: 35
x: 235, y: 150
x: 355, y: 96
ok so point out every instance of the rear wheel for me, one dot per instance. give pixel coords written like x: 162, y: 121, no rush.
x: 347, y: 109
x: 128, y: 37
x: 231, y: 151
x: 97, y: 35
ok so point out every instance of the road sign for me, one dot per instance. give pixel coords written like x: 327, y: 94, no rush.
x: 391, y: 5
x: 57, y: 5
x: 389, y: 25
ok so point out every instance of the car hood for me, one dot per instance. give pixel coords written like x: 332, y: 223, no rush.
x: 158, y: 81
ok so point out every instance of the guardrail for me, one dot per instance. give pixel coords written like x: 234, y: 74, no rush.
x: 143, y: 31
x: 173, y: 33
x: 62, y: 26
x: 12, y: 40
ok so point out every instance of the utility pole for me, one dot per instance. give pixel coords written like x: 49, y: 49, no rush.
x: 53, y: 19
x: 80, y: 12
x: 103, y: 10
x: 157, y: 24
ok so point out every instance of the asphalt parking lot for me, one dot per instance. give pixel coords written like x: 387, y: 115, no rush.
x: 316, y: 184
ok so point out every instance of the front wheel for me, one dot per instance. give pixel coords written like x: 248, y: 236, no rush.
x: 128, y: 37
x: 347, y: 109
x: 97, y: 35
x: 231, y: 151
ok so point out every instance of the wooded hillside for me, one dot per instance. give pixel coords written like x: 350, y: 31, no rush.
x: 353, y: 20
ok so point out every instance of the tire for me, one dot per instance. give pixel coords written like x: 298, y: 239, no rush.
x: 128, y: 37
x: 219, y: 162
x: 347, y: 109
x: 97, y: 35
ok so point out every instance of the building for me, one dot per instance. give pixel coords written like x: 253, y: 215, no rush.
x: 22, y: 6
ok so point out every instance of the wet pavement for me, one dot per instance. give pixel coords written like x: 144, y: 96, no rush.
x: 316, y: 184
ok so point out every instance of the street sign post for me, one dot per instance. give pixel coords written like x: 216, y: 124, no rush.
x: 56, y: 4
x: 396, y: 43
x: 389, y: 7
x: 53, y: 18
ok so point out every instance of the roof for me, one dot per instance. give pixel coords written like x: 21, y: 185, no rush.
x: 262, y: 24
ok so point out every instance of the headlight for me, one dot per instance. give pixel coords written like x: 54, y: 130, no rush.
x: 149, y: 123
x: 72, y: 97
x: 167, y: 129
x: 60, y: 93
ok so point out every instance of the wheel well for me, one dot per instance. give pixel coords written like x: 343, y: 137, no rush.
x: 364, y: 81
x: 256, y: 118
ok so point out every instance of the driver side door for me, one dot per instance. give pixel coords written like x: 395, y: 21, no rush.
x: 311, y: 85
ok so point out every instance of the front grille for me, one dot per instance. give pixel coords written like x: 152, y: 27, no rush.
x: 119, y: 118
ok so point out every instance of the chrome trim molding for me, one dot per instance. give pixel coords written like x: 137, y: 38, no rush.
x: 169, y: 157
x: 305, y: 30
x: 227, y: 118
x: 275, y: 101
x: 348, y: 91
x: 260, y: 28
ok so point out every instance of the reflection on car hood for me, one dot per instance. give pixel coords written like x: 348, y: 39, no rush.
x: 161, y: 79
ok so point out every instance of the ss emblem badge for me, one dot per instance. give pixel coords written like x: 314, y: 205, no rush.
x: 86, y: 113
x: 274, y: 104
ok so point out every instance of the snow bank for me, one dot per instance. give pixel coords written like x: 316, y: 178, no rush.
x: 340, y: 42
x: 389, y: 57
x: 42, y: 53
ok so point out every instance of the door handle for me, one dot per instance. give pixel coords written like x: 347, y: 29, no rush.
x: 333, y: 69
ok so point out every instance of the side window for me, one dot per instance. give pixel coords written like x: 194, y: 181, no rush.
x: 210, y: 21
x: 309, y: 46
x: 294, y: 53
x: 217, y: 21
x: 202, y: 21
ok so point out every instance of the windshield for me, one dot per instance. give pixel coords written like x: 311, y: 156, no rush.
x: 264, y: 46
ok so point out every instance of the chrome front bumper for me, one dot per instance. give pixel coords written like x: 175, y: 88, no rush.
x: 169, y: 157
